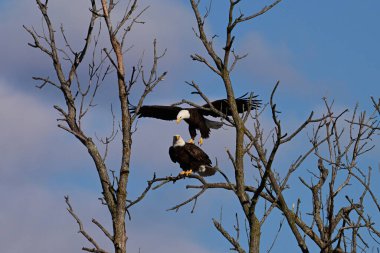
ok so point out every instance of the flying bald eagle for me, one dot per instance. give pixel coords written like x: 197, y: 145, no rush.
x: 195, y: 117
x: 190, y: 157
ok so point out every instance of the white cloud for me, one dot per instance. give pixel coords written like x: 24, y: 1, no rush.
x: 30, y: 138
x: 34, y: 220
x: 25, y: 124
x: 170, y: 22
x: 172, y: 32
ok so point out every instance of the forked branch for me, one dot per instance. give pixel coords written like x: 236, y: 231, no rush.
x: 81, y: 229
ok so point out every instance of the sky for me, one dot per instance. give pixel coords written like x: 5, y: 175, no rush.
x: 315, y: 48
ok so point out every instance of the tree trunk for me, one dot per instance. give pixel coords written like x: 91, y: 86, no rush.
x: 120, y: 240
x: 254, y: 235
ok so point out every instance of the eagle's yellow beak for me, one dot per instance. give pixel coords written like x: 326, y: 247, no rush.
x: 178, y: 120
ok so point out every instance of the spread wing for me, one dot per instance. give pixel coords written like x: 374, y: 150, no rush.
x: 197, y: 153
x: 158, y: 112
x: 244, y: 103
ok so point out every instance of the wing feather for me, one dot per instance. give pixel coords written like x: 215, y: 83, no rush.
x: 173, y: 154
x: 159, y: 112
x: 243, y: 103
x: 197, y: 153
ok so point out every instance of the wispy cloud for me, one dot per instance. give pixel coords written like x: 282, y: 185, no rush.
x: 31, y: 140
x: 25, y: 125
x: 269, y: 62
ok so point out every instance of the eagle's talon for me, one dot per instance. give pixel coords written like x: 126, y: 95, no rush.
x: 191, y: 141
x: 186, y: 173
x: 200, y: 142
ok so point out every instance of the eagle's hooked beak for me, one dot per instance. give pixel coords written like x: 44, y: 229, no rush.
x: 178, y: 120
x: 175, y: 139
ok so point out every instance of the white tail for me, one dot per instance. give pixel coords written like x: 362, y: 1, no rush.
x: 206, y: 170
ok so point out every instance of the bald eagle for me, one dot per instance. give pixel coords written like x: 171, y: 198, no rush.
x: 195, y: 117
x: 190, y: 157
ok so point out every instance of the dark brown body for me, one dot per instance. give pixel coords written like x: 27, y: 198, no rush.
x: 197, y: 121
x: 191, y: 157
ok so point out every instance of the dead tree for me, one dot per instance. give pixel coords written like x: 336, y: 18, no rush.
x: 332, y: 221
x: 341, y: 186
x: 79, y: 95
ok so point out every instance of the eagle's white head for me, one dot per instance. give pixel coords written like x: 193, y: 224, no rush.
x: 183, y: 114
x: 178, y: 141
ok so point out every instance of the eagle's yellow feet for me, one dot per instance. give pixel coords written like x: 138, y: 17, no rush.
x: 200, y: 142
x: 186, y: 173
x: 190, y: 141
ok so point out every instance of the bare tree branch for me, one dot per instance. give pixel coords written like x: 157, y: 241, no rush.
x: 234, y: 243
x: 81, y: 229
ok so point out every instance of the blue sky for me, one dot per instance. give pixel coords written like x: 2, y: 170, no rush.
x: 316, y: 48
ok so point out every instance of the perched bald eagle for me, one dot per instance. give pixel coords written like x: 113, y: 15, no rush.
x: 190, y: 157
x: 195, y: 117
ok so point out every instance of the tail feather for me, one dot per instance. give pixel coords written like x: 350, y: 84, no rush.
x: 206, y: 170
x: 213, y: 124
